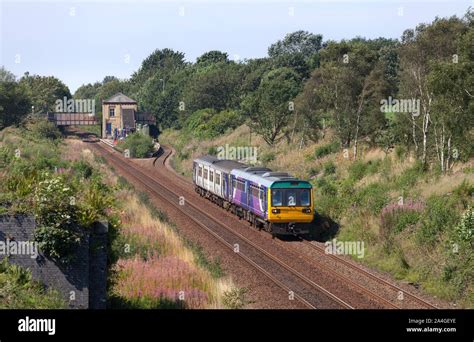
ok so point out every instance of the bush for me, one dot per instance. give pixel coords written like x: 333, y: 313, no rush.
x: 19, y: 291
x: 58, y: 231
x: 324, y: 150
x: 329, y: 168
x: 82, y: 168
x: 373, y: 197
x: 207, y: 123
x: 357, y: 170
x: 139, y: 145
x: 410, y: 176
x: 465, y: 228
x: 267, y: 157
x: 44, y: 129
x: 440, y: 215
x: 235, y: 298
x: 396, y: 217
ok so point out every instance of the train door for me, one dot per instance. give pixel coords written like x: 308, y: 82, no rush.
x: 211, y: 179
x: 205, y: 182
x: 199, y: 175
x: 217, y: 183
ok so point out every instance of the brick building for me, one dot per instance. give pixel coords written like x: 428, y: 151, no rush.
x: 120, y: 116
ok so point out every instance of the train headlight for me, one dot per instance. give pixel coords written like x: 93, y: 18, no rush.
x: 275, y: 211
x: 307, y: 210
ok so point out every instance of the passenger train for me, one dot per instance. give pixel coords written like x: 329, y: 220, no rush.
x: 274, y: 201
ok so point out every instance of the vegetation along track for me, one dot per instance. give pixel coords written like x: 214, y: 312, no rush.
x: 293, y: 282
x: 381, y: 290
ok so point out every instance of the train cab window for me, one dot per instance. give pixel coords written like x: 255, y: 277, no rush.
x: 290, y: 198
x: 261, y: 194
x: 211, y: 176
x: 277, y: 198
x: 305, y: 197
x: 205, y: 173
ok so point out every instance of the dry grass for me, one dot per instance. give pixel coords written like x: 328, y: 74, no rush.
x: 175, y: 269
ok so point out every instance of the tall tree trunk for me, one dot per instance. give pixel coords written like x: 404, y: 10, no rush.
x: 414, y: 133
x: 359, y: 113
x: 448, y: 157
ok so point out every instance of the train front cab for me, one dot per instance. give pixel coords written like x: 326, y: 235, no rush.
x: 290, y: 207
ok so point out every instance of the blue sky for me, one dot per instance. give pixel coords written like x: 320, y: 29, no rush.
x: 83, y: 41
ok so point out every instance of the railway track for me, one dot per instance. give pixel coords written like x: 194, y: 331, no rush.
x: 392, y: 301
x: 383, y: 282
x: 294, y: 283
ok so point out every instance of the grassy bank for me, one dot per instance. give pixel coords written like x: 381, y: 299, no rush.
x: 153, y: 266
x: 415, y: 224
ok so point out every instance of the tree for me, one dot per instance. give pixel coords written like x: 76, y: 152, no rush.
x: 162, y: 62
x: 270, y: 107
x: 348, y: 86
x: 215, y: 87
x: 298, y: 50
x: 163, y: 99
x: 14, y: 101
x: 212, y: 57
x: 419, y: 51
x: 452, y: 112
x: 43, y: 91
x: 297, y: 42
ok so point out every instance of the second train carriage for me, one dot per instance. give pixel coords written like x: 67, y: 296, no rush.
x: 275, y: 201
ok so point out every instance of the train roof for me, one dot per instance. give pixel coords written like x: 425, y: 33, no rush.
x: 225, y: 165
x: 263, y: 176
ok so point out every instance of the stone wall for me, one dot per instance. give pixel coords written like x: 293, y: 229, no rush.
x: 82, y: 282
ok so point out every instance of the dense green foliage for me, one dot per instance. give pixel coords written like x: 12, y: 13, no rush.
x: 65, y: 197
x: 139, y: 145
x: 19, y: 291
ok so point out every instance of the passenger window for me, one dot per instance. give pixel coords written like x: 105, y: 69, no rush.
x: 211, y: 176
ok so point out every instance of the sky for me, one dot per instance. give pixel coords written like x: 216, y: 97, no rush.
x: 83, y: 41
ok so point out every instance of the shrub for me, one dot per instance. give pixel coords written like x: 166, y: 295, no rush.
x: 410, y: 176
x: 58, y: 232
x: 267, y: 157
x: 439, y: 216
x: 19, y: 291
x: 207, y: 123
x: 82, y: 168
x: 235, y: 298
x: 44, y: 129
x: 327, y: 149
x: 400, y: 152
x: 465, y: 228
x: 329, y: 168
x: 139, y: 145
x: 357, y: 170
x: 373, y: 197
x: 396, y: 217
